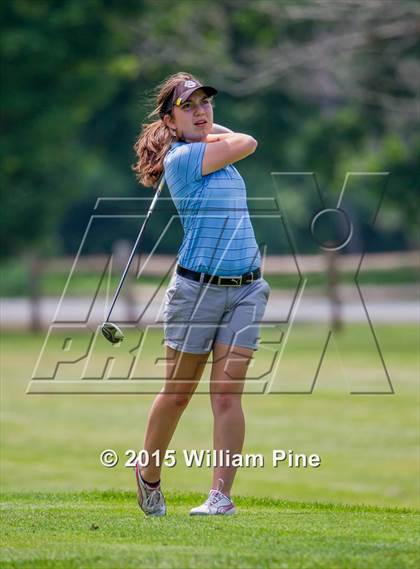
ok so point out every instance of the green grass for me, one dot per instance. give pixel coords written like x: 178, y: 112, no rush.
x: 54, y: 487
x: 106, y: 529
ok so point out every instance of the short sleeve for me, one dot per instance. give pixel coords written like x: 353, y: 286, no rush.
x: 183, y: 164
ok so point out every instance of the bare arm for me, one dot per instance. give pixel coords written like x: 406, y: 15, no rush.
x: 225, y: 149
x: 219, y: 129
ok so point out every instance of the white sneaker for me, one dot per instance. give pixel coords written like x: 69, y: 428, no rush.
x: 216, y: 504
x: 150, y: 500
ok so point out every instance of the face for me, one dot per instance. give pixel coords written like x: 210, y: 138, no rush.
x: 193, y: 120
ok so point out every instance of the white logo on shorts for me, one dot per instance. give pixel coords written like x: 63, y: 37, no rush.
x: 190, y: 84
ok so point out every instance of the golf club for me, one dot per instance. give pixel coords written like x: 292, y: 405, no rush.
x: 109, y: 330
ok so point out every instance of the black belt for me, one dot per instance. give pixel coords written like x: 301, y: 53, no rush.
x: 247, y: 278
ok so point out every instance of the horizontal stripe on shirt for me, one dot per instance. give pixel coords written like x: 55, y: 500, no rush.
x: 198, y: 201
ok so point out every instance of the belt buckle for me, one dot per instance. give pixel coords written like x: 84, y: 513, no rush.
x: 238, y: 279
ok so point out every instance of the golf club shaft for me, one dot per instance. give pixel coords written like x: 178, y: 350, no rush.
x: 136, y: 244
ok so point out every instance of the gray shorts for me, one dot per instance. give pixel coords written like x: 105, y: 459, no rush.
x: 197, y: 314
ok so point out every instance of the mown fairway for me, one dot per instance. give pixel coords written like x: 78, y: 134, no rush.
x: 54, y: 487
x: 105, y: 529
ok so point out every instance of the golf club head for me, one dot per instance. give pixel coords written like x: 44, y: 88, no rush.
x: 112, y: 333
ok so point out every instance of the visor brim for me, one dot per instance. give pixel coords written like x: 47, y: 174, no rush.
x: 210, y: 91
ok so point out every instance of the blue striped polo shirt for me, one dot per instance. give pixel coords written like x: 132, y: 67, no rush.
x: 218, y: 235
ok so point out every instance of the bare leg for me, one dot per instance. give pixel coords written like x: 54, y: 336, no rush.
x: 228, y: 373
x: 183, y: 372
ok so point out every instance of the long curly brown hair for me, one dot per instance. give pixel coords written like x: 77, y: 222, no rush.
x: 156, y: 137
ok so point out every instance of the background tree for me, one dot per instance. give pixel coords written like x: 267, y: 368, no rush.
x: 328, y: 87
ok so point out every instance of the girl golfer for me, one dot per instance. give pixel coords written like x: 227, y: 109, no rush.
x: 217, y: 297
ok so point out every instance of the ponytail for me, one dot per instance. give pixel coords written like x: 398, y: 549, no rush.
x: 151, y: 148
